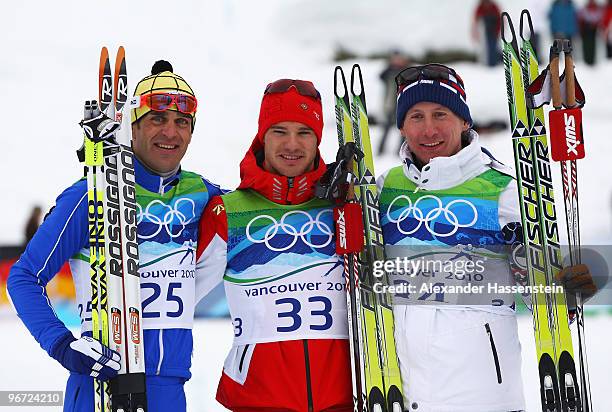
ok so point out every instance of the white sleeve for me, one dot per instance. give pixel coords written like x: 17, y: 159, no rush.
x: 508, y: 208
x: 381, y: 181
x: 210, y: 267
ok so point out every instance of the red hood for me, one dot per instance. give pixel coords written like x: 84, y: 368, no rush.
x: 275, y: 187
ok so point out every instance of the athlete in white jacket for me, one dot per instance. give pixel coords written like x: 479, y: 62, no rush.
x: 454, y: 209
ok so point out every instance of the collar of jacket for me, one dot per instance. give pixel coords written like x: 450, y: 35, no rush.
x: 276, y: 188
x: 446, y: 172
x: 152, y: 181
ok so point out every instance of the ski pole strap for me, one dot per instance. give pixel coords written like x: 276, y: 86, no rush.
x: 349, y: 228
x: 97, y: 127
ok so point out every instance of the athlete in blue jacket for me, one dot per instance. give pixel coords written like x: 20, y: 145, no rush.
x: 170, y: 202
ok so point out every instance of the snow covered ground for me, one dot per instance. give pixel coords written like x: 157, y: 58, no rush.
x: 229, y: 50
x: 25, y: 366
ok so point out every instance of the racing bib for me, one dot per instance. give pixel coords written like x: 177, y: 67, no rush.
x: 167, y: 285
x: 306, y: 303
x: 167, y: 290
x: 283, y: 279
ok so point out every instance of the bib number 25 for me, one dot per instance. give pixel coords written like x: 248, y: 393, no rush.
x: 170, y: 297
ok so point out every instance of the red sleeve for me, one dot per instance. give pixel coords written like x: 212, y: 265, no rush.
x: 479, y: 12
x: 499, y: 21
x: 607, y: 17
x: 213, y: 222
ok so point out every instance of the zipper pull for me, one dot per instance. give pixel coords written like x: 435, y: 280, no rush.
x: 289, y: 187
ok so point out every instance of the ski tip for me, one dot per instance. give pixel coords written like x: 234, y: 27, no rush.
x: 103, y: 60
x: 526, y: 23
x: 120, y: 81
x: 340, y: 90
x: 119, y: 64
x: 120, y: 59
x: 104, y: 74
x: 356, y: 69
x: 357, y: 77
x: 507, y: 28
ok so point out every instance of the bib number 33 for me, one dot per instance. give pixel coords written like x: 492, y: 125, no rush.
x: 290, y: 315
x: 320, y: 309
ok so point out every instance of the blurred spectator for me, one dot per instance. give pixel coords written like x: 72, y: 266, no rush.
x: 563, y: 19
x: 537, y: 10
x: 397, y: 62
x: 487, y: 19
x: 589, y: 19
x: 606, y: 28
x: 33, y: 223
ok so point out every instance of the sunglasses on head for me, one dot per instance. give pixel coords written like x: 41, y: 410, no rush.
x: 161, y: 102
x: 433, y: 71
x: 303, y: 87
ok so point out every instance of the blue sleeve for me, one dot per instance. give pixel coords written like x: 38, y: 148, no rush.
x: 214, y: 189
x: 61, y: 235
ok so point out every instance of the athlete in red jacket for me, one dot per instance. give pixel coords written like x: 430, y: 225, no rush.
x: 272, y: 243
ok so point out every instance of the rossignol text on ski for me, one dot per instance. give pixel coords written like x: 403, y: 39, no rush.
x: 115, y: 282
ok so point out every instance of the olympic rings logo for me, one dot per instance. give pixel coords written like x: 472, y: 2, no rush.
x: 518, y: 256
x: 165, y: 220
x: 432, y: 215
x: 304, y: 233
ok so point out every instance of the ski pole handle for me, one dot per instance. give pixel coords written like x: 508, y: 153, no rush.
x: 555, y: 50
x: 566, y: 141
x: 570, y: 83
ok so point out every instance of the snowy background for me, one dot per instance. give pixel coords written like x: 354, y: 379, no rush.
x: 228, y: 51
